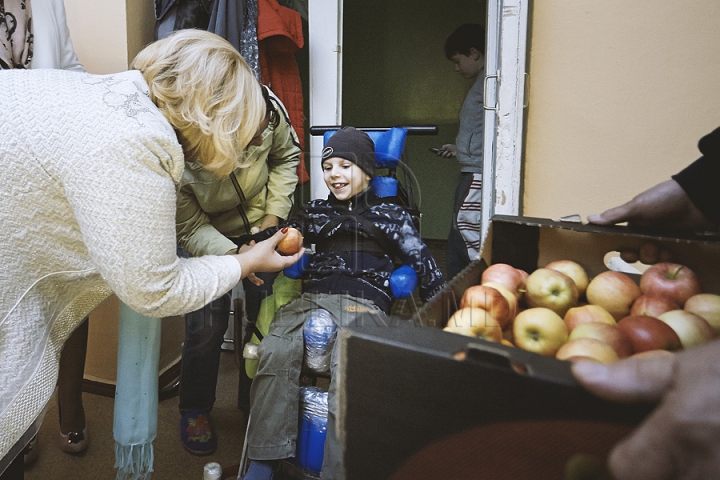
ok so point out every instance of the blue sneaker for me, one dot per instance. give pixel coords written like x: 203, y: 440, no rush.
x: 196, y: 433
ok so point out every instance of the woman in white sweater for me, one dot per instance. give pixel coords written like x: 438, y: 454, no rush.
x: 90, y: 167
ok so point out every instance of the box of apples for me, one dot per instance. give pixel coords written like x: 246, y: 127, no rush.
x: 571, y: 302
x: 480, y: 384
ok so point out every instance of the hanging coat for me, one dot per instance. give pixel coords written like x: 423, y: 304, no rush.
x: 280, y: 35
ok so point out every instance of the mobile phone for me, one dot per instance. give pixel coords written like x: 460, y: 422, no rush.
x: 434, y: 150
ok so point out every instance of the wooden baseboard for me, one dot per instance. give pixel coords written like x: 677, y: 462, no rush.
x: 168, y: 384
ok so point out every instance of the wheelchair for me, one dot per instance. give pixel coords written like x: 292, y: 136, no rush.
x: 394, y: 182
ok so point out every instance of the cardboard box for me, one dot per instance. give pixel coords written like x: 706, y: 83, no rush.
x: 417, y: 402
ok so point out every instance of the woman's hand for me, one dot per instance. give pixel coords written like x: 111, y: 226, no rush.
x: 262, y: 257
x: 680, y: 439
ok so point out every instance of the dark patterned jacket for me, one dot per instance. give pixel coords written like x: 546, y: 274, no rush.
x: 356, y: 243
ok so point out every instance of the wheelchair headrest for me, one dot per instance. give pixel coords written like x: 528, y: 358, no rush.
x: 389, y: 145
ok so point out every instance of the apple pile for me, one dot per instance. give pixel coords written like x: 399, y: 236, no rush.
x: 559, y: 311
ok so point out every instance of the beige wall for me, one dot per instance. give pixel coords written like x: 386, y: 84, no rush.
x: 620, y: 92
x: 107, y: 34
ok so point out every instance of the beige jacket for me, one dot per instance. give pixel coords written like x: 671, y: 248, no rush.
x: 211, y: 209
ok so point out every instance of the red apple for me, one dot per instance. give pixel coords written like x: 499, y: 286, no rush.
x: 649, y: 333
x: 487, y: 298
x: 587, y: 314
x: 539, y: 330
x: 551, y: 289
x: 509, y: 296
x: 652, y: 305
x: 692, y: 329
x: 614, y: 291
x: 587, y: 347
x: 291, y: 243
x: 671, y: 280
x: 609, y: 334
x: 505, y: 275
x: 707, y: 305
x: 475, y: 322
x: 573, y: 270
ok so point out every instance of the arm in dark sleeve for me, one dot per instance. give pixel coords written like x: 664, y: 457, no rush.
x: 701, y: 179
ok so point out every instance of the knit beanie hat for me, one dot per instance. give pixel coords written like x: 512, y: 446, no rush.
x: 354, y: 145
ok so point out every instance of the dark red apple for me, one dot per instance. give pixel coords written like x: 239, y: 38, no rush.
x: 671, y: 280
x: 649, y: 333
x: 653, y: 305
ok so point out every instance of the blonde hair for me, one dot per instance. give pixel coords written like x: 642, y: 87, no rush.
x: 208, y: 94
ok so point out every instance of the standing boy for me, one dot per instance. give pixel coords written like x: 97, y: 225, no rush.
x: 465, y: 47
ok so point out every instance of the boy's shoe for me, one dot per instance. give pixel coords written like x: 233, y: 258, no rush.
x: 196, y: 433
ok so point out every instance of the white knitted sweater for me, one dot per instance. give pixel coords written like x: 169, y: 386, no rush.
x: 89, y: 170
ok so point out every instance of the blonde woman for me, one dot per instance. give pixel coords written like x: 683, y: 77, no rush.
x: 90, y: 169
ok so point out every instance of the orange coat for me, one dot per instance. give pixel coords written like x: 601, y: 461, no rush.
x: 279, y: 32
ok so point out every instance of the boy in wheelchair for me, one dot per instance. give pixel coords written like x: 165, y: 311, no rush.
x: 356, y: 234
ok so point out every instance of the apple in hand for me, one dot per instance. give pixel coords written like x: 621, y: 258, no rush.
x: 653, y: 305
x: 551, y: 289
x: 609, y: 334
x: 707, y: 305
x: 291, y: 243
x: 474, y: 322
x: 573, y: 270
x: 649, y: 333
x: 614, y: 291
x: 539, y: 330
x: 587, y: 347
x: 487, y: 298
x: 692, y: 329
x: 671, y: 280
x: 505, y: 275
x: 587, y: 314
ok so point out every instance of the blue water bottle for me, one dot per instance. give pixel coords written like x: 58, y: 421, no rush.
x: 319, y: 333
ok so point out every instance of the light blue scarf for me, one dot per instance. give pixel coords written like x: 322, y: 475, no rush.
x: 136, y: 394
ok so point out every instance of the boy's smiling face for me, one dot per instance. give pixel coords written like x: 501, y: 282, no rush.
x: 469, y: 66
x: 344, y: 178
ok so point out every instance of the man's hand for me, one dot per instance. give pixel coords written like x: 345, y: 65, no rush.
x: 680, y: 439
x: 664, y: 205
x: 447, y: 151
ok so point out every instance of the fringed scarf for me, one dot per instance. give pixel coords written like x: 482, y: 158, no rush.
x: 136, y: 394
x: 16, y: 38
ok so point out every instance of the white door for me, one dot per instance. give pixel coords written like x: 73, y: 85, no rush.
x: 504, y: 96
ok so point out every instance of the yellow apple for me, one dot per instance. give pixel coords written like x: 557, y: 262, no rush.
x: 539, y: 330
x: 573, y: 270
x: 587, y: 314
x: 475, y: 321
x: 551, y: 289
x: 587, y: 347
x: 707, y: 305
x: 614, y: 291
x: 690, y: 328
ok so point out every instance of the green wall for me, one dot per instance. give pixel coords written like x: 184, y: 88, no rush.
x: 395, y: 73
